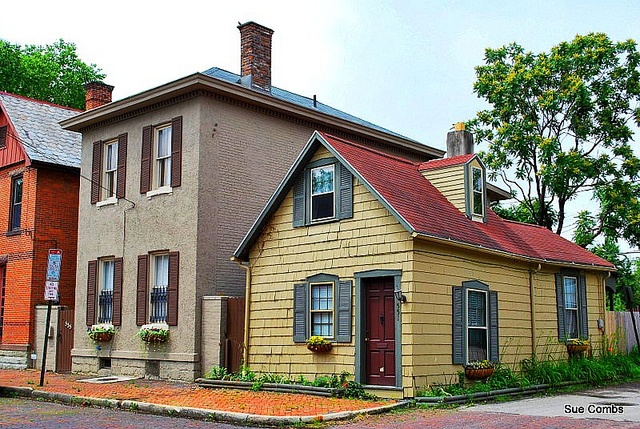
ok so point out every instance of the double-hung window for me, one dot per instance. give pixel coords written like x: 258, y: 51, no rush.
x: 104, y: 291
x: 571, y: 299
x: 477, y: 191
x: 322, y: 309
x: 159, y: 288
x: 322, y: 193
x: 105, y: 297
x: 162, y: 157
x: 475, y: 323
x: 322, y: 306
x: 16, y: 204
x: 110, y: 169
x: 161, y: 160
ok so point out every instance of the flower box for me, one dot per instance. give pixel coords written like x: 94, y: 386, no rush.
x: 478, y: 373
x: 576, y: 350
x: 102, y: 332
x: 320, y: 348
x: 154, y: 333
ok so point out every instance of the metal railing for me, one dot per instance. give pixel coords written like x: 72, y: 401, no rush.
x: 158, y: 304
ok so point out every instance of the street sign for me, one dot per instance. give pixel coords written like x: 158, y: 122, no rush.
x: 53, y: 265
x: 51, y: 291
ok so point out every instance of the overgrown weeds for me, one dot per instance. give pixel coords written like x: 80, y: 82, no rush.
x: 609, y: 367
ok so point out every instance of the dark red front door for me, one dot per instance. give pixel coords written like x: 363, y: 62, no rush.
x: 65, y: 340
x: 380, y: 332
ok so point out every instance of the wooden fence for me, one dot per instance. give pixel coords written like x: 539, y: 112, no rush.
x: 620, y: 331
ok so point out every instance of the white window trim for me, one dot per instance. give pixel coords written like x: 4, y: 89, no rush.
x: 333, y: 307
x: 108, y: 202
x: 165, y: 190
x: 105, y: 151
x: 156, y: 142
x: 477, y: 216
x: 153, y: 283
x: 486, y: 321
x: 311, y: 194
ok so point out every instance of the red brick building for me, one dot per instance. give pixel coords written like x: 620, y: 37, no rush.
x: 39, y: 182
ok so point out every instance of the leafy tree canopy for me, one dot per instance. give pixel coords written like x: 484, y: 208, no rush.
x: 51, y: 73
x: 560, y: 123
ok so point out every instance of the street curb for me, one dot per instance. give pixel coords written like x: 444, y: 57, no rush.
x: 191, y: 413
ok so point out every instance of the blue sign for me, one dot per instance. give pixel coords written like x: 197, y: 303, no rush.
x: 53, y: 265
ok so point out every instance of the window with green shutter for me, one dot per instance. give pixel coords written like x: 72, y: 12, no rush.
x: 322, y: 306
x: 571, y: 300
x: 475, y: 323
x: 323, y: 193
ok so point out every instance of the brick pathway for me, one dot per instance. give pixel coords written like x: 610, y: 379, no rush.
x: 188, y: 395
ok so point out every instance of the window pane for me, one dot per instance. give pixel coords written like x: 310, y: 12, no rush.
x: 571, y: 323
x: 477, y: 344
x: 112, y: 157
x: 162, y: 270
x: 571, y: 292
x: 322, y: 297
x: 477, y: 192
x: 107, y: 275
x: 164, y: 142
x: 322, y: 180
x: 322, y: 324
x: 477, y: 308
x: 322, y: 206
x: 16, y: 203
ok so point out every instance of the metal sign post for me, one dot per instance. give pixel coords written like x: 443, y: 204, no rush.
x: 50, y: 295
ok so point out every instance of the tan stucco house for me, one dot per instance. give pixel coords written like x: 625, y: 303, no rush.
x: 173, y: 177
x: 405, y: 269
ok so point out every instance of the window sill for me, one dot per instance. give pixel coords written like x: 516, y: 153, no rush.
x: 108, y: 202
x: 13, y: 232
x: 477, y: 218
x: 165, y: 190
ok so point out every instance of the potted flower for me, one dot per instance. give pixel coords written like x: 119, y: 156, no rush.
x: 577, y: 346
x: 154, y: 333
x: 101, y: 332
x: 319, y: 344
x: 478, y: 369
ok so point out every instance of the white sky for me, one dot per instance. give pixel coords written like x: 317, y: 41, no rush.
x: 404, y: 65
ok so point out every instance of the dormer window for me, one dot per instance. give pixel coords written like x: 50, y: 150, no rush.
x: 322, y: 192
x: 477, y: 194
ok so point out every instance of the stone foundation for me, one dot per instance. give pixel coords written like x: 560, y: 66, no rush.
x: 10, y: 359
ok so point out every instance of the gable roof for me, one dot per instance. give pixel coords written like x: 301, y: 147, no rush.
x: 435, y: 164
x: 398, y: 184
x: 37, y: 125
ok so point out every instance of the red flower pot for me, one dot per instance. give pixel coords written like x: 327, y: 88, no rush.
x: 320, y: 348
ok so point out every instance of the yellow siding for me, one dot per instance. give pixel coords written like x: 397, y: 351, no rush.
x: 284, y: 255
x: 450, y: 182
x: 374, y: 240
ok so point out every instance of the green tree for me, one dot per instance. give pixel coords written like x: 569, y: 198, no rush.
x: 521, y: 212
x: 51, y: 73
x: 560, y: 123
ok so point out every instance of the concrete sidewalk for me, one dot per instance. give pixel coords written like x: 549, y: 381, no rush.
x: 187, y: 399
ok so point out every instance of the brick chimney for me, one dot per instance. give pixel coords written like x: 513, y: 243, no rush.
x: 459, y: 141
x: 255, y: 56
x: 98, y: 94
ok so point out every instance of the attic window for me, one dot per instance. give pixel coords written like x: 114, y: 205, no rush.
x: 477, y: 194
x: 322, y: 192
x: 3, y: 137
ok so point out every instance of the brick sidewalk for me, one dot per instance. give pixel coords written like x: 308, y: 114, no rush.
x: 188, y: 395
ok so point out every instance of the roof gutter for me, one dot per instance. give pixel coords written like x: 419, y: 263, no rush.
x: 199, y: 81
x: 522, y: 258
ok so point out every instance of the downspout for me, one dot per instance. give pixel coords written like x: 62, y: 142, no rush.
x: 247, y: 297
x: 532, y: 301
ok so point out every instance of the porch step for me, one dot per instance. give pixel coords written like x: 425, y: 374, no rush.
x: 384, y: 391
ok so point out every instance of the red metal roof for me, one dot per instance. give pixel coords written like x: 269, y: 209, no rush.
x: 414, y: 199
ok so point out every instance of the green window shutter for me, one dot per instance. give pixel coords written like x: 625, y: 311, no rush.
x: 494, y: 338
x: 583, y: 318
x: 117, y: 292
x: 346, y: 193
x: 562, y: 336
x: 300, y: 313
x: 343, y: 332
x: 458, y: 327
x: 92, y: 283
x: 96, y: 171
x: 299, y: 202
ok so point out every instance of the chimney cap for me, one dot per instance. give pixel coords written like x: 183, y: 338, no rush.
x: 459, y: 126
x: 99, y: 84
x: 241, y: 26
